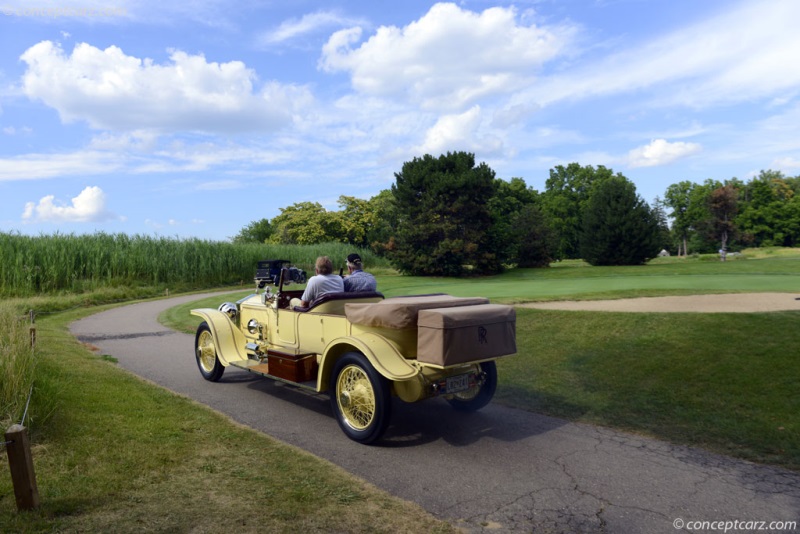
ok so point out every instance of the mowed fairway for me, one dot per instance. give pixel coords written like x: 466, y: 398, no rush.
x: 576, y: 280
x: 723, y: 381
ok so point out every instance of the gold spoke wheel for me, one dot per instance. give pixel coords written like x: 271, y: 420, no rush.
x: 206, y: 351
x: 356, y: 397
x: 361, y: 398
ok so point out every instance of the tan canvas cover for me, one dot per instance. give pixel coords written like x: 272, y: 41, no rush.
x: 452, y: 336
x: 401, y: 312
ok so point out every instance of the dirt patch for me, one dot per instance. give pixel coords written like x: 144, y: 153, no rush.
x: 728, y: 303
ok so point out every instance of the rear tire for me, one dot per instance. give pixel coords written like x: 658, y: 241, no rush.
x: 360, y: 398
x: 205, y: 350
x: 476, y: 398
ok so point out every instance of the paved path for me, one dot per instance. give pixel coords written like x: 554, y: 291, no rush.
x: 499, y: 470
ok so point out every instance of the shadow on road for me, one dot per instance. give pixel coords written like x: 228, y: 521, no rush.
x: 417, y: 424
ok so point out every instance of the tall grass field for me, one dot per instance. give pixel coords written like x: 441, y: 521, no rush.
x: 17, y: 366
x: 31, y: 265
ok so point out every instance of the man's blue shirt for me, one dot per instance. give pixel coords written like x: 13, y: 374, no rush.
x: 360, y: 281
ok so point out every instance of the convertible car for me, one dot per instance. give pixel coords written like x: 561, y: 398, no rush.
x: 361, y: 348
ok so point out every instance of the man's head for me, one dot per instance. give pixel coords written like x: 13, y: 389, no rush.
x: 354, y: 262
x: 324, y: 265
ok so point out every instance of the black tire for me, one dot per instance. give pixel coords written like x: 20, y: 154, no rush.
x: 360, y: 398
x: 476, y: 398
x: 205, y: 352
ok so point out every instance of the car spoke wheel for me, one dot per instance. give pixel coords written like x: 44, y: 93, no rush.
x: 356, y: 397
x: 205, y: 350
x: 477, y: 397
x: 360, y: 398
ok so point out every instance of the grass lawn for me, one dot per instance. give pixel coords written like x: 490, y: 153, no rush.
x: 121, y: 455
x: 572, y: 280
x: 118, y: 454
x: 727, y: 382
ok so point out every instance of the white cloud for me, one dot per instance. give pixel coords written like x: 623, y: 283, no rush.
x: 514, y: 115
x: 660, y: 152
x: 459, y: 132
x: 138, y: 140
x: 39, y: 166
x: 11, y: 130
x: 308, y: 23
x: 88, y: 206
x: 787, y: 164
x: 212, y: 13
x: 448, y: 58
x: 114, y: 91
x: 744, y: 53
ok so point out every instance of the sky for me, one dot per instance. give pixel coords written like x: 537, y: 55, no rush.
x: 192, y: 119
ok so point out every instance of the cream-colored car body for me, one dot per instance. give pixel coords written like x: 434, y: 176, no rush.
x: 361, y: 348
x: 325, y: 332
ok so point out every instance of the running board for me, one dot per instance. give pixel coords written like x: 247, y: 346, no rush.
x: 262, y: 369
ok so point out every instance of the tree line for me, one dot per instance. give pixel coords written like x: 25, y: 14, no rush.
x: 449, y: 216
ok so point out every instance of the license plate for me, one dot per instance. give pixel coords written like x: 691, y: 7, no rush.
x: 457, y: 383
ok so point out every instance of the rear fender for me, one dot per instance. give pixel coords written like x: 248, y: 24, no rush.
x: 228, y: 338
x: 381, y: 353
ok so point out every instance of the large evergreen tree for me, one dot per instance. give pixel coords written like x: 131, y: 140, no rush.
x: 443, y: 219
x: 618, y: 226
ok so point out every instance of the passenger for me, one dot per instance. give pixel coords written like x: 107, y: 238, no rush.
x: 358, y: 280
x: 324, y: 282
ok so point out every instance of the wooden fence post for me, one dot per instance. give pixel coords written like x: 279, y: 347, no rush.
x: 33, y: 328
x: 20, y: 461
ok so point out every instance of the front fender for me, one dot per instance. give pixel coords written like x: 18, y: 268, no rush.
x: 228, y: 338
x: 381, y: 353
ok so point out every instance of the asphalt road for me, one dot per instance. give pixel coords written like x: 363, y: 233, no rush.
x: 498, y: 470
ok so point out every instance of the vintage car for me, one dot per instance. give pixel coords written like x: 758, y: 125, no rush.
x: 361, y: 348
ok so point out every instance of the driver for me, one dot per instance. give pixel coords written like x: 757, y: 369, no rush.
x: 324, y: 282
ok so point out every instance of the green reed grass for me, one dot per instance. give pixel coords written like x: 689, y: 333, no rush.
x: 17, y: 366
x: 32, y: 265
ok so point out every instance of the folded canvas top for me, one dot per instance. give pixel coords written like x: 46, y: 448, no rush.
x: 401, y: 312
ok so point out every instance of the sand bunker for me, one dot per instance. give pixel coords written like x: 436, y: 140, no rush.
x: 729, y: 303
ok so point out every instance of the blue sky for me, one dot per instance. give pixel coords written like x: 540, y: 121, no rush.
x: 195, y: 119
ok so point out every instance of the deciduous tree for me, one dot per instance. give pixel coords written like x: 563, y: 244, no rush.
x: 510, y: 198
x: 722, y: 204
x: 305, y: 223
x: 566, y: 192
x: 534, y: 237
x: 255, y: 232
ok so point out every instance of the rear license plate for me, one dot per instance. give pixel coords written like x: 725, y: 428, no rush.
x: 457, y: 383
